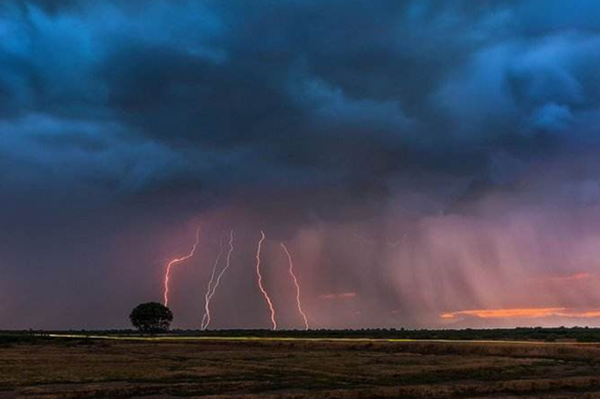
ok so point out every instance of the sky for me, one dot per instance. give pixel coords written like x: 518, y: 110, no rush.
x: 428, y: 164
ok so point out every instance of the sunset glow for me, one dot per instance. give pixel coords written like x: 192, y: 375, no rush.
x: 533, y: 313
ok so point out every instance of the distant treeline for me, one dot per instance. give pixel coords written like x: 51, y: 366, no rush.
x: 579, y: 334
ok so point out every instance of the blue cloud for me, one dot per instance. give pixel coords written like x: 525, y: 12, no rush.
x: 386, y: 88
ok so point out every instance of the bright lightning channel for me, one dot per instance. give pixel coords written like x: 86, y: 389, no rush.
x: 209, y: 289
x: 218, y: 281
x: 260, y: 286
x: 295, y: 280
x: 173, y: 263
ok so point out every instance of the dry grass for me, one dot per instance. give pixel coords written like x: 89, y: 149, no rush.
x: 292, y: 370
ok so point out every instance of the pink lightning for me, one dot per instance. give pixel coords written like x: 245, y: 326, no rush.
x: 207, y: 296
x: 214, y: 289
x: 174, y: 262
x: 295, y: 280
x: 260, y: 286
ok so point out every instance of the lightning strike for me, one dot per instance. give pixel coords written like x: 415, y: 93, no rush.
x: 174, y: 262
x: 207, y: 320
x: 207, y: 296
x: 295, y: 280
x: 260, y: 286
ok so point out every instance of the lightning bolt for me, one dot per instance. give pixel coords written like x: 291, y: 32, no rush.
x: 260, y: 286
x: 174, y: 262
x: 207, y: 296
x: 206, y: 321
x: 295, y: 280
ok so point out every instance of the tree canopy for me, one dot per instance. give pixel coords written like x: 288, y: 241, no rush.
x: 151, y: 317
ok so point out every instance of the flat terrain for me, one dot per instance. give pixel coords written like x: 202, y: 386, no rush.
x: 97, y: 368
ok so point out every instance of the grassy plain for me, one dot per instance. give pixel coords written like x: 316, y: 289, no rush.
x: 69, y: 368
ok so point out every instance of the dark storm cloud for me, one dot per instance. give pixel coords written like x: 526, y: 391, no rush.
x: 338, y: 92
x: 117, y: 112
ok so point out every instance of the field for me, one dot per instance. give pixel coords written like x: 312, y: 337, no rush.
x: 53, y: 368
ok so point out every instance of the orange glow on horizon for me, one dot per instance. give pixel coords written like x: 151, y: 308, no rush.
x: 174, y: 262
x: 260, y: 286
x: 532, y: 313
x: 295, y: 280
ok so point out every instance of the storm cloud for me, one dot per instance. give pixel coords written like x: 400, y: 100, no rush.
x: 124, y: 124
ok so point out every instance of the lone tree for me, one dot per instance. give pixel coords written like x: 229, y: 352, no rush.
x: 151, y: 317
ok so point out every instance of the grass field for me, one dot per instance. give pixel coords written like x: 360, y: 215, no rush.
x: 175, y: 367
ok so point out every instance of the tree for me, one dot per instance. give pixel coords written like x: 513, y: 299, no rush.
x: 151, y: 317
